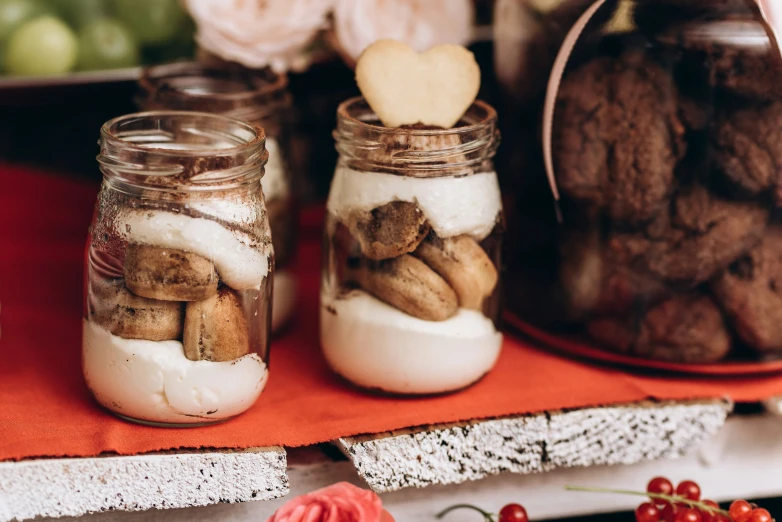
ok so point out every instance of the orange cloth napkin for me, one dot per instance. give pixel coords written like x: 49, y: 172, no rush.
x: 46, y: 410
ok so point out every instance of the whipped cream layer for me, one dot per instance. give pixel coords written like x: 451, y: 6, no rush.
x: 240, y: 264
x: 453, y: 205
x: 154, y: 381
x: 376, y: 346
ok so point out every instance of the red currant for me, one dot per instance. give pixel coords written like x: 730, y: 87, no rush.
x: 647, y: 512
x: 687, y: 515
x: 740, y: 511
x: 669, y: 512
x: 760, y: 515
x: 662, y: 486
x: 689, y: 490
x: 710, y: 516
x: 513, y: 513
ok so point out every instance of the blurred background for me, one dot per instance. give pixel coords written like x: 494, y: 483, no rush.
x: 67, y: 66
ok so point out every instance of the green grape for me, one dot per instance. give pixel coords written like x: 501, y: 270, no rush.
x: 152, y: 21
x: 182, y: 45
x: 41, y: 46
x: 14, y: 13
x: 107, y: 44
x: 79, y: 13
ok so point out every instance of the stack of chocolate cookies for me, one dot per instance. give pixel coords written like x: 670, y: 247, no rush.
x: 670, y: 150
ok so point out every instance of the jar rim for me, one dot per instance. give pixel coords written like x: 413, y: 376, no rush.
x: 108, y: 133
x: 235, y: 156
x: 344, y: 115
x: 259, y: 83
x: 741, y: 33
x: 364, y: 144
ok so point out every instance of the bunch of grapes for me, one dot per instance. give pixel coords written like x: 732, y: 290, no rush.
x: 45, y: 37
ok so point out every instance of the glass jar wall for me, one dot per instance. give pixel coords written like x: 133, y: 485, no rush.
x: 260, y: 97
x: 179, y: 267
x: 410, y: 281
x: 666, y: 153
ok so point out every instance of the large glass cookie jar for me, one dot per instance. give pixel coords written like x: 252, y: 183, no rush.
x: 665, y: 142
x: 260, y: 97
x: 179, y: 270
x: 410, y: 282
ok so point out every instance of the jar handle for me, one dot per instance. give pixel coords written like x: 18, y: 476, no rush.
x: 770, y: 11
x: 557, y: 72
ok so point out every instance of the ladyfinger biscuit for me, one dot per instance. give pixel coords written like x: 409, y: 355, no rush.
x: 408, y: 284
x: 464, y: 265
x: 216, y: 329
x: 129, y: 316
x: 388, y: 231
x: 168, y: 274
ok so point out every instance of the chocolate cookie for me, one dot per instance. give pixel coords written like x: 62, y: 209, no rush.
x: 598, y: 278
x: 733, y: 54
x: 700, y: 236
x: 687, y: 329
x: 748, y: 147
x: 750, y: 292
x: 617, y: 136
x: 390, y: 230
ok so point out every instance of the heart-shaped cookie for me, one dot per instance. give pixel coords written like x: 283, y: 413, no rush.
x: 404, y: 87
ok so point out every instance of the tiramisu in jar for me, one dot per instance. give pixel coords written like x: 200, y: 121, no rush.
x: 260, y: 97
x: 409, y: 295
x: 179, y: 268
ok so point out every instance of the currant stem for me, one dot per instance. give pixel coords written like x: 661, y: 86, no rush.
x: 669, y: 498
x: 486, y: 515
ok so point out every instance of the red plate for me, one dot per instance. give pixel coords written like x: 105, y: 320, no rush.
x: 580, y: 347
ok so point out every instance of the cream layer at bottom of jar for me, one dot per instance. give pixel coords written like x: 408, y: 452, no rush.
x: 154, y: 381
x: 283, y: 299
x: 377, y: 346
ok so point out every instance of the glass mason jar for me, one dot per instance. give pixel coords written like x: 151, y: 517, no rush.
x: 665, y: 148
x: 410, y: 279
x: 260, y: 97
x: 179, y: 267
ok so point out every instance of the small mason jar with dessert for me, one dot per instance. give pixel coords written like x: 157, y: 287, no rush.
x: 260, y: 97
x: 410, y: 281
x: 179, y: 268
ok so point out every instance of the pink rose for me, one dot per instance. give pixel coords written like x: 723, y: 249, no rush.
x: 421, y: 24
x: 341, y: 502
x: 259, y: 33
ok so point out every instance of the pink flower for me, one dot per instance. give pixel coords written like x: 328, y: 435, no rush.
x: 259, y: 33
x: 421, y: 24
x: 341, y: 502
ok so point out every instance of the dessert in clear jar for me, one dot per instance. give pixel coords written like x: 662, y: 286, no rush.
x: 179, y: 270
x: 260, y: 97
x: 410, y: 281
x: 666, y: 153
